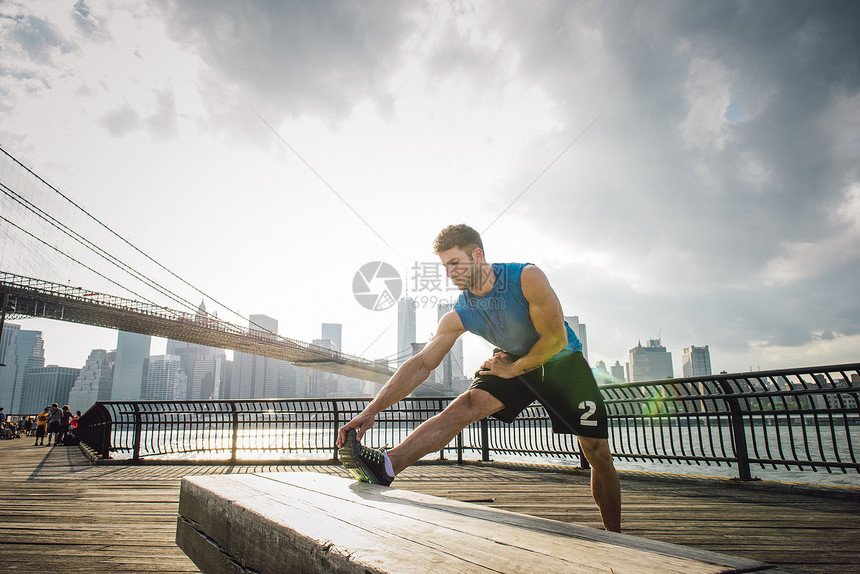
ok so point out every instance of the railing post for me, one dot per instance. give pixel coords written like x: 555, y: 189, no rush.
x: 336, y: 419
x: 485, y: 440
x: 442, y: 450
x: 460, y: 448
x: 107, y: 428
x: 138, y: 423
x: 583, y: 462
x: 235, y: 442
x: 739, y: 437
x: 3, y: 314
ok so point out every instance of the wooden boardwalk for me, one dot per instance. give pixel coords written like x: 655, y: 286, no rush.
x: 58, y: 512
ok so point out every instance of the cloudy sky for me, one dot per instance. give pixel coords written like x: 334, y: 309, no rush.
x: 687, y: 170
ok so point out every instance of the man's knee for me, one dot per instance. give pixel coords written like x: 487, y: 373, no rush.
x: 597, y: 451
x: 473, y: 405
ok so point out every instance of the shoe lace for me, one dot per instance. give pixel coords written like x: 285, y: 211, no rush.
x: 374, y: 454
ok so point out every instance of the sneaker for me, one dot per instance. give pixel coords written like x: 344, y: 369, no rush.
x: 364, y: 463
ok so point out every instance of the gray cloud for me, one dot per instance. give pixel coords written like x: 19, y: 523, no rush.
x: 163, y: 122
x: 651, y: 50
x: 291, y: 58
x: 706, y: 203
x: 121, y: 121
x: 91, y: 26
x: 38, y: 38
x: 29, y: 47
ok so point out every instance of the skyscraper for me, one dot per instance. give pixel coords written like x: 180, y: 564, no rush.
x: 332, y: 332
x: 650, y: 363
x: 580, y: 331
x: 696, y: 361
x: 263, y: 323
x: 21, y: 350
x: 336, y: 385
x: 94, y: 381
x: 205, y: 377
x: 617, y: 372
x: 9, y: 358
x: 253, y: 376
x: 292, y: 381
x: 203, y: 366
x: 165, y: 381
x: 132, y: 351
x: 406, y: 326
x: 601, y: 373
x: 450, y: 370
x: 321, y: 384
x: 46, y: 385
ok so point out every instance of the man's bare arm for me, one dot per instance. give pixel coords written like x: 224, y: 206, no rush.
x: 548, y: 320
x: 410, y: 374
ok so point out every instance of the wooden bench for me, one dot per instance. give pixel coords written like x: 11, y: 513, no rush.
x: 309, y: 522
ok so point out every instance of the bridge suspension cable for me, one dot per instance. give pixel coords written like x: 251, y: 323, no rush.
x: 89, y: 245
x: 61, y: 252
x: 103, y: 253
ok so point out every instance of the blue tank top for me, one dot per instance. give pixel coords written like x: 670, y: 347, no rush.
x: 502, y: 315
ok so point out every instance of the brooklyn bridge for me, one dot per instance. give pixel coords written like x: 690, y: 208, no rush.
x: 44, y: 231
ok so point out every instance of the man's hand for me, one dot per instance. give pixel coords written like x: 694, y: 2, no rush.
x: 500, y: 365
x: 360, y: 423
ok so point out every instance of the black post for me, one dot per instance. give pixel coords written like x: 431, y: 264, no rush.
x: 460, y: 448
x: 442, y: 450
x: 107, y: 428
x: 138, y: 424
x: 583, y: 462
x: 739, y: 437
x: 336, y: 416
x: 485, y: 440
x: 3, y: 322
x: 235, y: 443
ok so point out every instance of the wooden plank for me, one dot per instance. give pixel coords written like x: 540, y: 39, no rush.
x: 390, y: 530
x: 292, y: 533
x: 449, y: 510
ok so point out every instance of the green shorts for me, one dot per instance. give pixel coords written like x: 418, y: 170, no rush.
x: 565, y: 387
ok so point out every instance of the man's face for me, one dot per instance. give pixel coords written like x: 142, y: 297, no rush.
x: 460, y: 267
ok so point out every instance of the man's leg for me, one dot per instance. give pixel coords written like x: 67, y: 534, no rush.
x: 434, y: 433
x: 605, y: 486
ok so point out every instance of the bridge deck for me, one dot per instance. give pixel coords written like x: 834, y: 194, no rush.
x: 58, y: 511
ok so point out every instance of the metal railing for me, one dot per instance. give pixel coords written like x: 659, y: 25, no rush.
x: 239, y: 429
x: 805, y: 419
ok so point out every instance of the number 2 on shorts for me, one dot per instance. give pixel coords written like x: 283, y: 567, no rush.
x: 585, y: 419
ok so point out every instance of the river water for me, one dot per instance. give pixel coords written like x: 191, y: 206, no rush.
x: 790, y: 443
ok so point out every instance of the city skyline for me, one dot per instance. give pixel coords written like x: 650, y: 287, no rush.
x: 407, y: 322
x: 185, y: 370
x: 682, y: 171
x: 193, y: 352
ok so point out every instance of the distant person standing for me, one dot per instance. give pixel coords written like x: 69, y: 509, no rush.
x: 65, y: 423
x: 42, y: 426
x: 54, y: 423
x: 2, y: 417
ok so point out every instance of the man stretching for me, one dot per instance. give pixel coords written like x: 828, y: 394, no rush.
x: 538, y: 357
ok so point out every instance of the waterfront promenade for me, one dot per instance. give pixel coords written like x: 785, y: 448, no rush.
x: 58, y: 512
